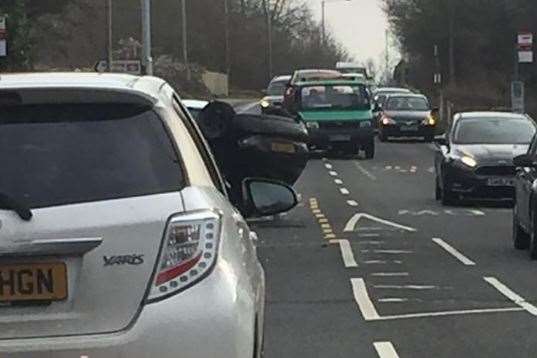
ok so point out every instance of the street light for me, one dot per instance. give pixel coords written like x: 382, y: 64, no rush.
x: 323, y: 20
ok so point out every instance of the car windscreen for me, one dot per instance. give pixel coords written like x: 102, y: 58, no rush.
x: 494, y: 131
x: 277, y: 88
x: 334, y: 97
x: 63, y: 154
x: 406, y: 104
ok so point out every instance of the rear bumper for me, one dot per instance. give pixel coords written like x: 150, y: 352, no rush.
x: 466, y: 183
x: 398, y: 130
x: 328, y: 137
x: 211, y: 319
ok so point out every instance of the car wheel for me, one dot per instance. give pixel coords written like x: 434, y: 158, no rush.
x: 533, y: 239
x: 521, y: 239
x: 447, y: 197
x: 369, y: 150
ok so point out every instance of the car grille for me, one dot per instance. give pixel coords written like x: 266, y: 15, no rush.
x: 408, y: 121
x: 498, y: 170
x: 337, y: 125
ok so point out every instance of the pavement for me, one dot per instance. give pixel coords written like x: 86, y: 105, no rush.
x: 370, y: 265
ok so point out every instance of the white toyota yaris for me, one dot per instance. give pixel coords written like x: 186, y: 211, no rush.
x: 117, y: 238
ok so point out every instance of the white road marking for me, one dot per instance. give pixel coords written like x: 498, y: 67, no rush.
x: 328, y: 166
x: 365, y: 171
x: 333, y: 173
x: 385, y: 350
x: 390, y: 274
x: 413, y: 169
x: 392, y: 300
x: 477, y: 212
x: 328, y: 231
x: 381, y: 262
x: 507, y: 292
x: 371, y: 242
x: 406, y: 287
x: 369, y: 235
x: 352, y: 202
x: 361, y: 297
x: 323, y: 221
x: 394, y: 252
x: 397, y: 168
x: 326, y: 226
x: 329, y: 236
x: 369, y: 228
x: 388, y: 167
x: 403, y: 171
x: 465, y: 260
x: 338, y: 181
x: 344, y: 191
x: 351, y: 224
x: 431, y: 170
x: 448, y: 313
x: 319, y: 216
x: 346, y: 253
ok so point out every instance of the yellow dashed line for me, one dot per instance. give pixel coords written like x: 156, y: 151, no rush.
x: 324, y: 224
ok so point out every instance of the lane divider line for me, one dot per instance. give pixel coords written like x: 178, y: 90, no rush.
x: 392, y: 300
x: 352, y: 203
x: 346, y: 253
x: 454, y: 252
x: 344, y: 191
x: 333, y: 173
x: 385, y: 350
x: 328, y: 166
x: 390, y: 274
x: 364, y: 171
x: 363, y: 301
x: 507, y: 292
x: 338, y: 181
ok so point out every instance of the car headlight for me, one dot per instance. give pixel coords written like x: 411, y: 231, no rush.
x: 429, y: 121
x: 312, y: 125
x: 469, y: 161
x: 387, y: 121
x: 264, y: 103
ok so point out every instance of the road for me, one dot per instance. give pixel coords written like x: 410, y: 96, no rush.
x: 405, y: 277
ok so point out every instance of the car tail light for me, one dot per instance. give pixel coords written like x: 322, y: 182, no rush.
x: 188, y: 252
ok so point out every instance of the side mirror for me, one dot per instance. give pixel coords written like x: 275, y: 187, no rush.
x: 265, y: 197
x: 441, y: 141
x: 524, y: 161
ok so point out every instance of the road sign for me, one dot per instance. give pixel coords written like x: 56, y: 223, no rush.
x: 525, y: 40
x: 517, y: 97
x: 133, y: 67
x: 525, y: 56
x: 3, y: 37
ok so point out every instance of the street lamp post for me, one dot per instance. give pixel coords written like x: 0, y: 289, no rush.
x: 323, y: 17
x: 146, y: 30
x: 185, y: 41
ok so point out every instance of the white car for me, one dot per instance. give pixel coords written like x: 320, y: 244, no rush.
x: 117, y: 238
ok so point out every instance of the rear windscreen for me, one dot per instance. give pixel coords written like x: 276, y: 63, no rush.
x: 62, y: 154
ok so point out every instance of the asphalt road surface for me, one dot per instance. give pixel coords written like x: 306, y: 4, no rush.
x: 370, y: 265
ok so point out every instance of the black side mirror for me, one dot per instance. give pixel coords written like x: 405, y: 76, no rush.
x: 524, y: 161
x: 441, y: 141
x: 263, y: 197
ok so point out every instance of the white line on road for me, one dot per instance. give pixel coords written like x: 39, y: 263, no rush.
x: 365, y: 171
x: 507, y: 292
x: 449, y: 313
x: 406, y: 287
x: 393, y: 252
x: 382, y: 262
x: 388, y: 167
x: 385, y: 350
x: 393, y: 300
x: 361, y: 297
x: 328, y: 166
x: 374, y: 242
x: 346, y: 253
x: 390, y: 274
x: 477, y: 212
x: 344, y: 191
x: 333, y: 173
x: 326, y: 226
x: 413, y: 169
x: 465, y: 260
x: 397, y: 168
x: 369, y: 235
x: 352, y: 203
x: 338, y: 181
x: 351, y: 224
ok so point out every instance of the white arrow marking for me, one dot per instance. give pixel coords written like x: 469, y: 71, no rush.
x: 351, y: 224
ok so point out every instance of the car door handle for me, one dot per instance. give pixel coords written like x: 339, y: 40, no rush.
x: 62, y: 247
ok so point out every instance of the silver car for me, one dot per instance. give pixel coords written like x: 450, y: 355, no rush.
x: 117, y: 238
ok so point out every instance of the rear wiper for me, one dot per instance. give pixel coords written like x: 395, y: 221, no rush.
x: 9, y: 203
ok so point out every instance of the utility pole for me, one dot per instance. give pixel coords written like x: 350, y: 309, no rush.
x: 451, y: 15
x: 228, y: 42
x: 387, y: 50
x: 269, y: 38
x: 185, y: 41
x: 109, y: 34
x: 323, y: 22
x: 146, y: 30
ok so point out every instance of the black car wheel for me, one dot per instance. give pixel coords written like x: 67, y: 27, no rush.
x: 533, y: 239
x: 521, y: 240
x: 369, y: 150
x: 447, y: 197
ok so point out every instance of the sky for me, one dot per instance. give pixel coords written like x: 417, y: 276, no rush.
x: 359, y: 25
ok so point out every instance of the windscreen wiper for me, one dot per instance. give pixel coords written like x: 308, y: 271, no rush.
x: 9, y: 203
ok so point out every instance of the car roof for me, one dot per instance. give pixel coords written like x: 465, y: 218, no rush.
x: 143, y: 84
x: 406, y: 95
x: 330, y: 82
x: 491, y: 114
x: 392, y: 89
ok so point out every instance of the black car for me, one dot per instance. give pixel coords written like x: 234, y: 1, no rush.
x: 525, y: 208
x: 475, y: 158
x: 407, y: 115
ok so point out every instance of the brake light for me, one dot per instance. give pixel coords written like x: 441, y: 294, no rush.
x: 188, y: 252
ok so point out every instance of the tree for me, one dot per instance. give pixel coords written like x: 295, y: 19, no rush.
x: 19, y: 42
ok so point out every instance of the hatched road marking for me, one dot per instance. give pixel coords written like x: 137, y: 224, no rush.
x: 346, y: 253
x: 450, y: 249
x: 385, y: 350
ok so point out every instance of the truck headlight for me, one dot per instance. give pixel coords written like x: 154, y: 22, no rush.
x: 469, y: 161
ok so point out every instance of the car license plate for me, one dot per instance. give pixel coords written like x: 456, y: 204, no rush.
x: 500, y: 182
x: 283, y: 148
x: 340, y: 138
x: 409, y: 128
x: 33, y: 282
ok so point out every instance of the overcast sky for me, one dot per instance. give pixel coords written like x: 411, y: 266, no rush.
x: 359, y: 25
